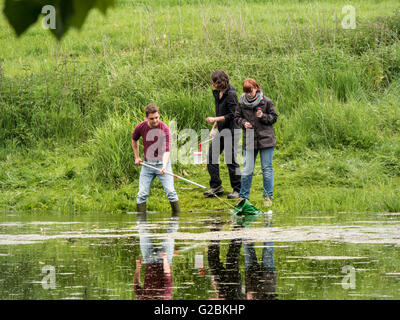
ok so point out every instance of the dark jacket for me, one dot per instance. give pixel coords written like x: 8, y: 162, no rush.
x: 228, y: 279
x: 226, y: 107
x: 264, y: 135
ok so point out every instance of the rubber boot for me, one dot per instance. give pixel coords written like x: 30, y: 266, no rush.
x: 141, y: 207
x: 176, y: 208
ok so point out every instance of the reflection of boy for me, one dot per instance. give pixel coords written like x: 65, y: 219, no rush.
x: 157, y: 282
x: 158, y: 263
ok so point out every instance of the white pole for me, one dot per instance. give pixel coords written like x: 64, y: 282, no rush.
x: 172, y: 174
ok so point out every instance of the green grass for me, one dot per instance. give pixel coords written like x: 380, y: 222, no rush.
x: 327, y: 181
x: 68, y: 108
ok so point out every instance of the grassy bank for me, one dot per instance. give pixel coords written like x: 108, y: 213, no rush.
x: 326, y: 181
x: 67, y: 109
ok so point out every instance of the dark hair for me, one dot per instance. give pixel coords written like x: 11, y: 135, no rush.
x: 151, y: 108
x: 249, y: 84
x: 221, y: 79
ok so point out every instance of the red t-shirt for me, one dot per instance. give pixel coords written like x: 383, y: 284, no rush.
x: 157, y: 284
x: 156, y: 141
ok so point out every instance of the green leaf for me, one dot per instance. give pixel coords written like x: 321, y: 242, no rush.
x: 21, y: 14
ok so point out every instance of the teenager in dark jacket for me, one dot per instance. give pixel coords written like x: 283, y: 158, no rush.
x: 256, y: 115
x: 225, y: 139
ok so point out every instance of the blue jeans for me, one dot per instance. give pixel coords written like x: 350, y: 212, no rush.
x: 267, y: 258
x: 146, y: 178
x: 248, y: 168
x: 150, y: 252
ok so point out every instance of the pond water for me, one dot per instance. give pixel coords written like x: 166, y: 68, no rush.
x: 209, y: 255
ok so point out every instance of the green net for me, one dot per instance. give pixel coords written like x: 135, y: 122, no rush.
x: 245, y: 208
x: 245, y: 220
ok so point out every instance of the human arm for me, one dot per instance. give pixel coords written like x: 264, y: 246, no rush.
x: 230, y: 106
x: 241, y: 120
x: 213, y: 130
x: 167, y: 147
x: 270, y: 116
x: 228, y: 112
x: 166, y: 265
x: 215, y: 120
x: 135, y: 147
x: 136, y: 277
x: 165, y: 161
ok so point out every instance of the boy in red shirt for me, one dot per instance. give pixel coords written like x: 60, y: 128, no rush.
x: 156, y: 142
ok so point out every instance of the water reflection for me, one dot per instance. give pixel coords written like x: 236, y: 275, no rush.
x: 226, y: 279
x: 260, y: 278
x: 224, y: 264
x: 95, y: 257
x: 157, y: 258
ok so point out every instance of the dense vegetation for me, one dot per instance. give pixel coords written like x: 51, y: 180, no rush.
x: 68, y: 108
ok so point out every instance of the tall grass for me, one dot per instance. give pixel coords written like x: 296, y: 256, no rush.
x: 110, y: 150
x: 56, y: 107
x: 333, y: 125
x: 333, y: 88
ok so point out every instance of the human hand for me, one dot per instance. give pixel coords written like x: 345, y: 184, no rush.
x: 162, y: 171
x: 138, y: 161
x: 212, y: 133
x: 138, y: 263
x: 210, y: 119
x: 247, y: 125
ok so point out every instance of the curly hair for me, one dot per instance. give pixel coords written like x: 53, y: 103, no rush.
x: 220, y: 79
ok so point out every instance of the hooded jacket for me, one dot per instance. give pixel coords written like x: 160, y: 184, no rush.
x: 226, y: 107
x: 264, y: 135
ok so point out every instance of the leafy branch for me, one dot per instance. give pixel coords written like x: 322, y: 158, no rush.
x: 21, y: 14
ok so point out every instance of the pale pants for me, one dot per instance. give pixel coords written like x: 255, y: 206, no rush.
x: 146, y: 178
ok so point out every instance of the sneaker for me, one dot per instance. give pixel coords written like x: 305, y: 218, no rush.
x: 233, y: 195
x: 268, y: 201
x: 214, y: 191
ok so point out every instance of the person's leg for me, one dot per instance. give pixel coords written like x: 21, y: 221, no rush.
x: 266, y: 166
x: 249, y: 158
x: 268, y: 256
x: 233, y: 166
x: 214, y: 261
x: 250, y: 257
x: 232, y: 257
x: 214, y: 152
x: 169, y: 243
x: 147, y: 249
x: 146, y: 178
x: 167, y: 182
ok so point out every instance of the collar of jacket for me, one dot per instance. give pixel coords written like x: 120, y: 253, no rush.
x: 216, y: 92
x: 258, y: 100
